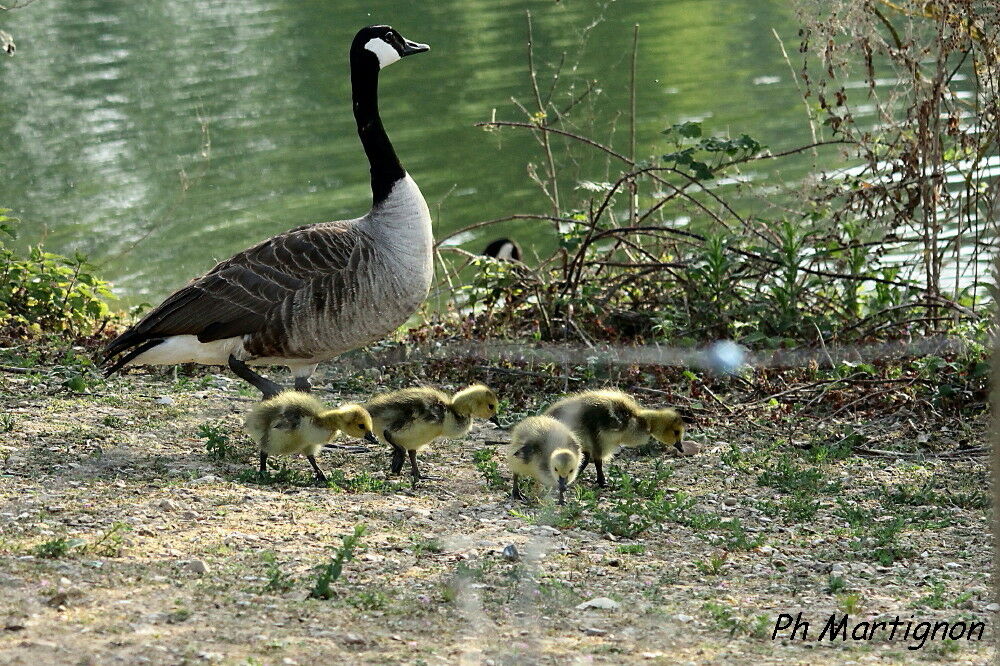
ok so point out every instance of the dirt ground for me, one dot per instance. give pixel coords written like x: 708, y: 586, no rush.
x: 125, y: 541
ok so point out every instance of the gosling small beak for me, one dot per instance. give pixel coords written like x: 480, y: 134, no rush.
x: 562, y: 490
x: 371, y: 438
x: 409, y: 48
x: 679, y: 446
x: 495, y: 420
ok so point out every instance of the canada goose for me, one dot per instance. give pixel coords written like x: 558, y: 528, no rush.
x: 314, y: 292
x: 605, y: 420
x: 503, y: 248
x: 293, y: 422
x: 410, y: 419
x: 545, y: 450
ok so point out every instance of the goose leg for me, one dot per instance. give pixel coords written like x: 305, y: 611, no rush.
x: 267, y: 388
x: 263, y: 462
x: 302, y: 374
x: 320, y: 476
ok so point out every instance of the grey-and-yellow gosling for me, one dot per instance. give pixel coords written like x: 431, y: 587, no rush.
x: 294, y: 422
x: 547, y: 451
x: 410, y: 419
x: 606, y: 420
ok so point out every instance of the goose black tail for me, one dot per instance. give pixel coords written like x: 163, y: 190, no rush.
x: 121, y: 362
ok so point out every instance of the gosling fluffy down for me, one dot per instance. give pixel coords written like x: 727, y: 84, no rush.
x: 607, y: 420
x: 410, y: 419
x: 294, y: 422
x: 545, y: 450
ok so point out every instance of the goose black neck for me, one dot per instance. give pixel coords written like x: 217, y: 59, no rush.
x: 385, y: 166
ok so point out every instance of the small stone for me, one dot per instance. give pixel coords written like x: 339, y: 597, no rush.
x: 603, y: 603
x: 164, y: 400
x: 190, y: 515
x: 766, y: 550
x: 689, y: 448
x: 594, y: 631
x: 417, y: 513
x: 511, y: 554
x: 545, y: 530
x: 354, y: 639
x: 993, y: 608
x: 837, y: 569
x: 729, y: 501
x: 208, y: 478
x: 952, y: 565
x: 167, y: 505
x: 197, y: 566
x: 681, y: 617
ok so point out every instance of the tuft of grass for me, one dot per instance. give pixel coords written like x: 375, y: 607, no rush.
x: 327, y: 574
x: 631, y: 549
x: 58, y: 547
x: 728, y: 619
x: 111, y: 542
x: 7, y: 422
x: 849, y: 603
x: 277, y: 580
x: 216, y: 441
x: 487, y: 465
x: 712, y: 566
x: 369, y: 600
x: 835, y: 584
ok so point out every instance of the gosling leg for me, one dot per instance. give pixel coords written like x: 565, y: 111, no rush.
x: 599, y: 465
x: 398, y: 454
x: 320, y: 476
x: 515, y: 489
x: 414, y: 472
x: 267, y: 388
x: 263, y: 462
x: 584, y: 462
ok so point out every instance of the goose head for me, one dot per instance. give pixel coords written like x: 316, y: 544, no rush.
x: 382, y: 45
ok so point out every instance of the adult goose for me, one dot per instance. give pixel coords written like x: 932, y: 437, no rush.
x: 314, y: 292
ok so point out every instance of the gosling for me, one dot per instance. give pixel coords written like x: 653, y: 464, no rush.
x: 294, y: 422
x: 606, y: 420
x: 410, y: 419
x: 545, y: 450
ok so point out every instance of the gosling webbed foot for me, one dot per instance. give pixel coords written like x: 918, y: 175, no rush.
x: 320, y: 476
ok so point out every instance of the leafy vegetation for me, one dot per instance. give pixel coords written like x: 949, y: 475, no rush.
x: 327, y: 574
x: 42, y: 292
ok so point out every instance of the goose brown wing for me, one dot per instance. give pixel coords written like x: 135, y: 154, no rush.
x: 236, y: 296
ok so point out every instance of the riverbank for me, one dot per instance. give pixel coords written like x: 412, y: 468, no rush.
x: 136, y: 532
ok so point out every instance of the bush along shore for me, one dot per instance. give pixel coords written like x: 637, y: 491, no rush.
x: 837, y: 506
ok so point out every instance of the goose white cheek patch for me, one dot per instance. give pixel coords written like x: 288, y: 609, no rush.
x: 385, y: 53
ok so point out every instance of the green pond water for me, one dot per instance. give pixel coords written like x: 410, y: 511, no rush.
x: 159, y: 137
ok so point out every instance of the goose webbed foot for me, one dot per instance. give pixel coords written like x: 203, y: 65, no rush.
x: 267, y: 388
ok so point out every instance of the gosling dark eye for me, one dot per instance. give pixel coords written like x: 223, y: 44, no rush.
x: 677, y: 433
